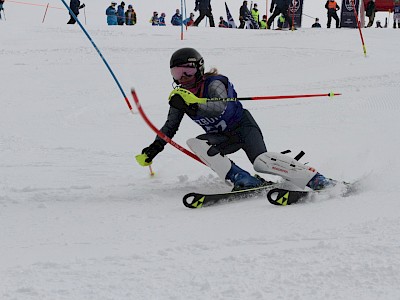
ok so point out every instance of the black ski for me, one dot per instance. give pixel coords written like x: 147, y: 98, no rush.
x: 198, y: 200
x: 285, y: 197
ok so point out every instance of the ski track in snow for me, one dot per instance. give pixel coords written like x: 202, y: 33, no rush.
x: 80, y: 220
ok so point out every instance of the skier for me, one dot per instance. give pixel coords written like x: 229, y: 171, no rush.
x: 228, y: 126
x: 111, y: 14
x: 332, y: 8
x: 75, y: 6
x: 281, y: 7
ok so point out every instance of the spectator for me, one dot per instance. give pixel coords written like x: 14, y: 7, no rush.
x: 396, y: 14
x: 75, y: 6
x: 223, y: 23
x: 161, y: 20
x: 255, y: 14
x: 154, y: 19
x: 176, y: 19
x: 281, y: 7
x: 332, y: 8
x: 121, y: 13
x: 204, y: 7
x: 263, y: 22
x: 111, y: 13
x: 244, y: 14
x: 281, y: 22
x: 370, y: 12
x: 316, y: 24
x: 130, y: 16
x: 378, y: 24
x: 1, y: 7
x: 189, y: 21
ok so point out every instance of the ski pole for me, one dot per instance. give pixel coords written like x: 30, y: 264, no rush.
x: 4, y: 14
x: 282, y: 97
x: 308, y: 16
x: 45, y: 12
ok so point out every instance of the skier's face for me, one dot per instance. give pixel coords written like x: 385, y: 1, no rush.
x: 184, y: 74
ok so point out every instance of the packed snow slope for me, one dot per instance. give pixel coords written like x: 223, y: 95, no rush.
x: 80, y: 219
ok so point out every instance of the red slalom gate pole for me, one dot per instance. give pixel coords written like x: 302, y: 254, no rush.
x: 359, y: 27
x: 158, y: 132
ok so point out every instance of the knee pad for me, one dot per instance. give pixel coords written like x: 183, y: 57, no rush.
x: 218, y: 163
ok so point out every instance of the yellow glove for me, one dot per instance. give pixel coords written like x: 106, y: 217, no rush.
x: 141, y: 159
x: 186, y: 96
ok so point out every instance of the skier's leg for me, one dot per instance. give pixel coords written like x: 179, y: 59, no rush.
x: 291, y: 170
x: 222, y: 165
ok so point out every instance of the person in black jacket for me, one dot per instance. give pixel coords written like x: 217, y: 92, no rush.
x: 281, y: 7
x: 244, y: 15
x: 370, y: 12
x: 75, y: 6
x: 204, y: 6
x: 1, y: 7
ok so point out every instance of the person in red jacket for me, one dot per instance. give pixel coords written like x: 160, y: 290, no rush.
x: 332, y: 8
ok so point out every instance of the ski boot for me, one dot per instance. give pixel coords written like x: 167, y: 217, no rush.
x: 242, y: 180
x: 320, y: 182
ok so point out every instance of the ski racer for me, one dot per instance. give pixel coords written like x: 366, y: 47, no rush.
x: 228, y: 128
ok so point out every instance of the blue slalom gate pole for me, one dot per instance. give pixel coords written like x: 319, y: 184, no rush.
x: 101, y: 55
x: 181, y: 20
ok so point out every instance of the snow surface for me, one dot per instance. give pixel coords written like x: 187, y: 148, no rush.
x: 80, y: 219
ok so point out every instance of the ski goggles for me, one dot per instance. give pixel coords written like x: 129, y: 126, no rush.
x: 187, y: 70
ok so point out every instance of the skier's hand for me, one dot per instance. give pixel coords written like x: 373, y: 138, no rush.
x: 82, y: 6
x: 148, y: 153
x: 196, y: 8
x: 178, y: 102
x: 187, y: 96
x: 271, y: 10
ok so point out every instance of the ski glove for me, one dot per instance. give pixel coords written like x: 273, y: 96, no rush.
x: 82, y: 6
x: 271, y: 9
x: 148, y: 153
x: 178, y: 102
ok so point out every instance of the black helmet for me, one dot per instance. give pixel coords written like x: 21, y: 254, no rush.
x: 185, y: 56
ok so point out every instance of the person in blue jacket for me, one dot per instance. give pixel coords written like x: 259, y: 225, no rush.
x: 112, y: 14
x: 75, y: 6
x: 228, y: 128
x: 121, y: 13
x: 161, y: 20
x: 176, y: 19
